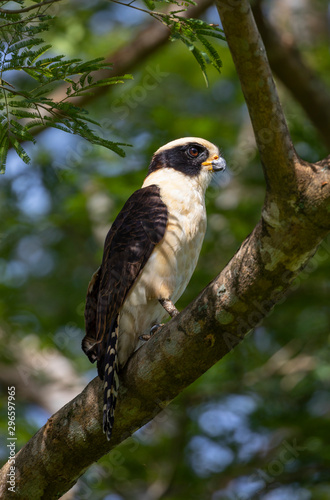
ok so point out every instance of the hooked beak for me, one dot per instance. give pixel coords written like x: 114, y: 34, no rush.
x: 215, y: 164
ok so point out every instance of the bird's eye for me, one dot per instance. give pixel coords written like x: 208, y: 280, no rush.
x: 193, y: 152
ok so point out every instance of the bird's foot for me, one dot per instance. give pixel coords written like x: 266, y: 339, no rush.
x: 153, y: 330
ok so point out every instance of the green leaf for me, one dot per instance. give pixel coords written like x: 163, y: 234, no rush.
x: 215, y: 58
x: 61, y: 127
x: 35, y: 123
x: 24, y: 114
x: 25, y: 51
x: 20, y: 150
x: 4, y: 147
x: 35, y: 74
x: 212, y: 33
x: 150, y: 4
x: 25, y: 43
x: 23, y: 103
x: 40, y: 52
x: 21, y: 131
x: 102, y: 83
x: 199, y: 58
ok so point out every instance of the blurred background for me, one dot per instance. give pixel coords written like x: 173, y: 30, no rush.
x: 255, y: 426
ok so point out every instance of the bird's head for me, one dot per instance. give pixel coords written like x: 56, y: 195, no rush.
x: 193, y: 156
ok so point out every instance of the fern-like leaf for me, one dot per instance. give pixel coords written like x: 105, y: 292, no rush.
x: 215, y: 58
x: 22, y: 49
x: 20, y: 150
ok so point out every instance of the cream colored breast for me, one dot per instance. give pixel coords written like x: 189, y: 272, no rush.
x: 174, y: 259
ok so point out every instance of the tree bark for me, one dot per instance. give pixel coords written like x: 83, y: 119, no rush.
x: 294, y: 220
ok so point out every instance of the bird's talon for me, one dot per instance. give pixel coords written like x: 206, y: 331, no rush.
x: 145, y: 337
x: 155, y: 328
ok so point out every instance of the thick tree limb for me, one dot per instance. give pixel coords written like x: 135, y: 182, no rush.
x: 270, y: 128
x: 258, y: 276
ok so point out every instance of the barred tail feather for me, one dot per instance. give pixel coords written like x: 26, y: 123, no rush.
x: 111, y: 382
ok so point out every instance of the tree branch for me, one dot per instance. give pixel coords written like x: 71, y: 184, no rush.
x: 27, y: 9
x: 269, y: 124
x: 303, y: 83
x: 292, y: 184
x: 235, y: 302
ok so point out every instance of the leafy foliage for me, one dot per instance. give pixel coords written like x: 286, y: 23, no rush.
x: 22, y: 49
x: 189, y: 31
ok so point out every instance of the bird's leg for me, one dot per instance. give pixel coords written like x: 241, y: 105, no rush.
x: 169, y: 307
x: 153, y: 330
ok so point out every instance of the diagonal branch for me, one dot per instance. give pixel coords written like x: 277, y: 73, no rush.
x: 257, y: 277
x: 28, y: 9
x: 269, y: 124
x: 304, y: 84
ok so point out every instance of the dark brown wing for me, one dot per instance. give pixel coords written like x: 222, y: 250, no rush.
x: 139, y: 226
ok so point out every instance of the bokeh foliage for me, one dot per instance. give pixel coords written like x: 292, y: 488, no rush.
x: 22, y: 49
x: 257, y: 424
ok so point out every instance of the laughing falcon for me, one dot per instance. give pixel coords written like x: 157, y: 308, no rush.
x: 149, y: 256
